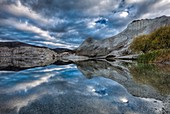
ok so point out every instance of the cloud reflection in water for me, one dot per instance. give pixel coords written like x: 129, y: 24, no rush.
x: 57, y: 88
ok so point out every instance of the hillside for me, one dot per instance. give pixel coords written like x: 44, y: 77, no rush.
x: 118, y: 45
x: 155, y: 47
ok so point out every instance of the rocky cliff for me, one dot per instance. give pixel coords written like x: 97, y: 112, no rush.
x: 17, y: 55
x: 118, y: 45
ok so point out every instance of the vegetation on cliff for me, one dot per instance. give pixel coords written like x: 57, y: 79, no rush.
x: 155, y: 47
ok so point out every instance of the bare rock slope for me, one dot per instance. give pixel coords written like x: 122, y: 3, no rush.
x: 118, y: 45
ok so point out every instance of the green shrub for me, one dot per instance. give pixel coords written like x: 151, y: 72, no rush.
x: 159, y: 39
x: 160, y: 56
x: 155, y: 46
x: 141, y: 43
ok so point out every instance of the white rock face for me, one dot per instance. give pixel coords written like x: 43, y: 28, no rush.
x: 118, y: 45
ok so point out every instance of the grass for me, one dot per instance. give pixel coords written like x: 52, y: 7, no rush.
x: 155, y: 47
x: 160, y: 56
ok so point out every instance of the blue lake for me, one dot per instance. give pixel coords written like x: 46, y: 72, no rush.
x: 88, y: 87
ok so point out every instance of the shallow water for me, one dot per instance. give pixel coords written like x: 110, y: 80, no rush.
x: 88, y: 87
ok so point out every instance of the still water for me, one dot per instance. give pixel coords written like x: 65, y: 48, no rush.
x: 87, y: 87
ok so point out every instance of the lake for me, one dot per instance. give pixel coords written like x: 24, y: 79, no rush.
x: 86, y: 87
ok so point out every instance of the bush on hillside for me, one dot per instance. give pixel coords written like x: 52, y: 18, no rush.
x: 141, y: 43
x: 155, y: 46
x: 159, y: 39
x: 161, y: 56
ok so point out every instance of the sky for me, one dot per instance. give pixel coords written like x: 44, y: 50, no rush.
x: 67, y: 23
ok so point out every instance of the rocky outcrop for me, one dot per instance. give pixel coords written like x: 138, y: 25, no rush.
x: 62, y: 50
x: 70, y: 56
x: 118, y: 45
x: 17, y: 56
x: 21, y: 55
x: 22, y: 50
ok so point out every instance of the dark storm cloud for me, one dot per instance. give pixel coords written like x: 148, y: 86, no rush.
x: 72, y: 8
x: 72, y: 21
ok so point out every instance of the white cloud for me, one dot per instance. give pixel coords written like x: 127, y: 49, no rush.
x: 134, y: 1
x: 20, y: 10
x: 160, y: 8
x: 124, y: 14
x: 26, y: 27
x: 57, y: 44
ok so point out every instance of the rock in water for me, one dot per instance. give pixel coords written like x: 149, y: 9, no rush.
x: 118, y: 45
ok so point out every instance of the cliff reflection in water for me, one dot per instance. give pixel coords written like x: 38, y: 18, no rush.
x: 158, y: 76
x: 87, y: 87
x: 145, y: 80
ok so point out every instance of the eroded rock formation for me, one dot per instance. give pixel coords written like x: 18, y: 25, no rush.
x: 118, y: 45
x: 17, y: 54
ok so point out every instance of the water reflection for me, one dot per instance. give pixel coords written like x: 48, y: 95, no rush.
x: 142, y: 80
x: 158, y: 76
x: 87, y: 87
